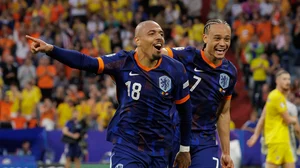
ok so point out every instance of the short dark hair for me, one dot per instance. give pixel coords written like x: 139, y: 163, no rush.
x: 280, y: 72
x: 211, y: 22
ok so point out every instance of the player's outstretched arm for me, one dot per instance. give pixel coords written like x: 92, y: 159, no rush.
x: 72, y: 58
x: 258, y: 129
x: 183, y: 158
x: 223, y: 127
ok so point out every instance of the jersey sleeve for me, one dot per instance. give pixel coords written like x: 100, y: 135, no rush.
x: 182, y: 86
x: 278, y: 102
x: 110, y: 64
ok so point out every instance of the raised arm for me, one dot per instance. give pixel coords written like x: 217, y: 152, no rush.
x: 72, y: 58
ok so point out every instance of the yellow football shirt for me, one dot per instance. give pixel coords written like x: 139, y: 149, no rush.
x: 259, y: 74
x: 275, y: 129
x: 30, y: 98
x: 64, y: 111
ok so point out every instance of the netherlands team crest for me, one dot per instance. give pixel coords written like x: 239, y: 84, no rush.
x: 164, y: 83
x: 224, y: 80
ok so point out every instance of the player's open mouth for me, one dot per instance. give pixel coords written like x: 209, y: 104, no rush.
x: 220, y: 51
x: 158, y: 46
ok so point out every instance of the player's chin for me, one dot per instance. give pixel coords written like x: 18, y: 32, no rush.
x: 286, y: 88
x: 219, y: 56
x: 156, y: 54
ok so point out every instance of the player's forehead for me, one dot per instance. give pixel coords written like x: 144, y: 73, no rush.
x: 151, y: 26
x: 286, y: 75
x: 219, y: 29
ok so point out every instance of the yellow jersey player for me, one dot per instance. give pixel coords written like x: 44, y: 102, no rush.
x: 277, y: 120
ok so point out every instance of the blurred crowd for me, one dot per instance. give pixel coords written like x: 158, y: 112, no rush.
x: 39, y: 91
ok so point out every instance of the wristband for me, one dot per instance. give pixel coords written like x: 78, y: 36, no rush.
x: 184, y: 148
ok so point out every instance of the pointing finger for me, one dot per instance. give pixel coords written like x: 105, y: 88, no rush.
x: 32, y: 38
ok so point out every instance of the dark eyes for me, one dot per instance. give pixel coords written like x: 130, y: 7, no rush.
x: 219, y: 38
x: 152, y: 33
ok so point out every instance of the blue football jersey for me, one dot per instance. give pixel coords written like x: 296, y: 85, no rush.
x: 209, y: 85
x: 146, y: 97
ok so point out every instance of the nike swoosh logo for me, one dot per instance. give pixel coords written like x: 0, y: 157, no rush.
x: 198, y: 70
x: 133, y: 74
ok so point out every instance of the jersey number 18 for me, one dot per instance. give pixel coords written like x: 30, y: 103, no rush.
x: 134, y: 90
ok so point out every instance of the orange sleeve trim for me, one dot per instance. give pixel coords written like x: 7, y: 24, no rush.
x: 228, y: 97
x: 170, y: 52
x: 183, y: 100
x: 101, y: 65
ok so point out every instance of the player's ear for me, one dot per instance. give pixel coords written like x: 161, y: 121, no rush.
x: 205, y: 37
x: 137, y: 41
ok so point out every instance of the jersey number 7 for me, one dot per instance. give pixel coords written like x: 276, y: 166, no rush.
x: 196, y: 83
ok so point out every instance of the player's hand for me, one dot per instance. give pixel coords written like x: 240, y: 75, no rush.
x: 226, y: 161
x: 76, y: 135
x: 38, y: 45
x: 252, y: 140
x: 182, y: 160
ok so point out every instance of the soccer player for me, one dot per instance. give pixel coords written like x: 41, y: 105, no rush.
x: 212, y: 79
x: 148, y: 84
x: 275, y: 120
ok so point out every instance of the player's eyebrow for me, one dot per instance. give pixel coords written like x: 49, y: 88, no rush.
x: 219, y: 35
x: 154, y: 31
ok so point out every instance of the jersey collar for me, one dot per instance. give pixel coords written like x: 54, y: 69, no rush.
x: 209, y: 62
x: 147, y: 69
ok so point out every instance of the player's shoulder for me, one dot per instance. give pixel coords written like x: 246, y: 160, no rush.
x: 228, y: 65
x: 171, y: 62
x: 187, y: 48
x: 276, y: 94
x: 172, y: 66
x: 184, y: 51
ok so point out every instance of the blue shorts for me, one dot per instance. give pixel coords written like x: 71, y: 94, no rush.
x: 73, y: 151
x: 205, y: 157
x: 126, y: 157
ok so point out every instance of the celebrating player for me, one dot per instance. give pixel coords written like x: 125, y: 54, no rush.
x: 148, y: 84
x: 212, y: 79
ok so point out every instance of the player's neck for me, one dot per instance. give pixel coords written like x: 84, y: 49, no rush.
x: 145, y: 60
x: 212, y: 58
x: 284, y: 92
